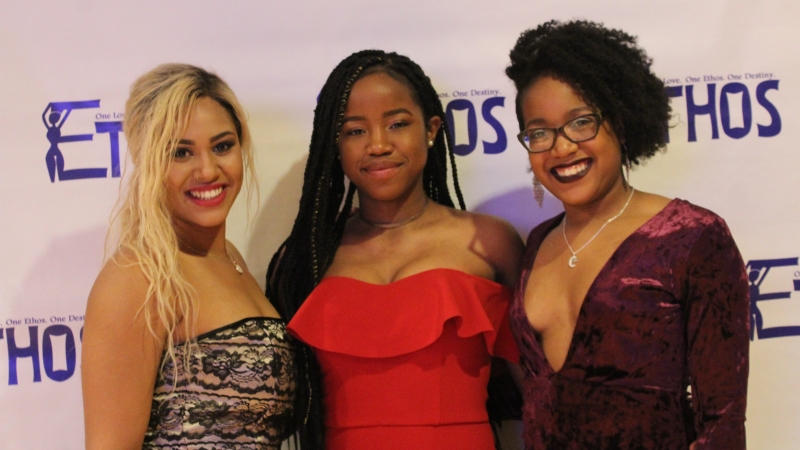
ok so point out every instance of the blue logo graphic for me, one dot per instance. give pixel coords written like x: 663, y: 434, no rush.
x: 722, y: 115
x: 757, y: 271
x: 721, y: 108
x: 54, y: 117
x: 462, y: 104
x: 42, y: 352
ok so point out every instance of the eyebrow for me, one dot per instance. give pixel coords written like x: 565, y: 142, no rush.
x: 386, y: 114
x: 539, y: 120
x: 213, y: 138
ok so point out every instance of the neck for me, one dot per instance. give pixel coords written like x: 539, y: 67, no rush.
x: 601, y: 209
x: 201, y: 241
x: 395, y: 213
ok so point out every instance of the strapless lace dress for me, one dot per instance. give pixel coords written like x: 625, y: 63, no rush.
x: 238, y: 393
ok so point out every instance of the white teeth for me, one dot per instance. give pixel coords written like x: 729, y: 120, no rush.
x: 572, y: 170
x: 206, y: 195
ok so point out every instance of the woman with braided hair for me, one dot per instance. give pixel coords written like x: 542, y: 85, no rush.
x: 402, y: 303
x: 627, y: 300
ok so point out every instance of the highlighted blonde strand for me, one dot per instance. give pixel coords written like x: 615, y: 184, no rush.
x: 157, y: 113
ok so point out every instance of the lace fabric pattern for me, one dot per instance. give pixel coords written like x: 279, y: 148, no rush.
x: 239, y: 391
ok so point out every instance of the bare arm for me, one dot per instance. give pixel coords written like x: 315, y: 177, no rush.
x: 502, y: 246
x: 119, y: 362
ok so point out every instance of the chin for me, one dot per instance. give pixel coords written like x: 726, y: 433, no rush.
x: 574, y: 197
x: 382, y: 193
x: 207, y: 221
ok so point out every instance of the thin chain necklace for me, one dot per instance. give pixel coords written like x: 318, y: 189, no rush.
x: 233, y: 261
x: 236, y: 265
x: 573, y: 261
x: 388, y: 225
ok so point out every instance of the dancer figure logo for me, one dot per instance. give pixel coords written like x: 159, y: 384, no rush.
x: 54, y: 117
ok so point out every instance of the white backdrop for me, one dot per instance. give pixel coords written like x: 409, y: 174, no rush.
x: 740, y: 163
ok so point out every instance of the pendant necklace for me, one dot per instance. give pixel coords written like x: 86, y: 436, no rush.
x: 388, y: 225
x: 573, y: 261
x: 235, y: 264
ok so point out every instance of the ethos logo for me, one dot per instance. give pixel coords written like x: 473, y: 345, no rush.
x: 42, y: 343
x: 462, y: 119
x: 737, y: 103
x: 728, y: 101
x: 757, y: 272
x: 54, y: 117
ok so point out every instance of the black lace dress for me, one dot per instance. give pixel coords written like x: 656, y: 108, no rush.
x: 238, y: 395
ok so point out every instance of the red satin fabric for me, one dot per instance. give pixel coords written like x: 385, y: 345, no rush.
x: 406, y: 364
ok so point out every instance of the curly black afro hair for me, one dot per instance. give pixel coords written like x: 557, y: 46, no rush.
x: 607, y: 69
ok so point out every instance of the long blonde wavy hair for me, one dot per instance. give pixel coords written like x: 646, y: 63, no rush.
x: 157, y: 114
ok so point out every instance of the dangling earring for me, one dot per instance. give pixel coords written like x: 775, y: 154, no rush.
x: 627, y: 164
x: 538, y: 191
x: 430, y: 143
x: 628, y: 172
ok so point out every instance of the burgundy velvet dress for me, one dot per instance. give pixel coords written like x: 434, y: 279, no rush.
x: 668, y: 311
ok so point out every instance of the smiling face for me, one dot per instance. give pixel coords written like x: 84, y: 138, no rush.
x: 577, y: 174
x: 383, y: 141
x: 206, y: 172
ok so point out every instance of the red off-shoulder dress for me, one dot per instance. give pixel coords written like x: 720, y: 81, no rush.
x: 405, y: 365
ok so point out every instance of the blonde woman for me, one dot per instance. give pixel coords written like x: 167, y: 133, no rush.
x: 181, y: 349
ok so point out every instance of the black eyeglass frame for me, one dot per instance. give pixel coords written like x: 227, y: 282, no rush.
x: 560, y: 130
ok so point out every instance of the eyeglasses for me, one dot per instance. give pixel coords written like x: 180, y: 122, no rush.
x: 579, y: 129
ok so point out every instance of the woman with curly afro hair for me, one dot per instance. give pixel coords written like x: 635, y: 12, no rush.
x: 631, y: 312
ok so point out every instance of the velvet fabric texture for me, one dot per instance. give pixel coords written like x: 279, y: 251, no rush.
x: 668, y: 311
x: 405, y: 365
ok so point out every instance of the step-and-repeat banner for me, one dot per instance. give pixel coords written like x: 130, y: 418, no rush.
x: 731, y: 69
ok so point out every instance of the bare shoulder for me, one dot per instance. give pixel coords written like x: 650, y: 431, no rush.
x: 490, y: 228
x: 651, y: 204
x: 119, y: 290
x: 235, y: 254
x: 120, y: 358
x: 496, y: 240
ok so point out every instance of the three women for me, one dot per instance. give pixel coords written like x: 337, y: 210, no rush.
x: 626, y: 300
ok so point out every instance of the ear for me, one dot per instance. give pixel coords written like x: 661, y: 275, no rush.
x: 433, y: 128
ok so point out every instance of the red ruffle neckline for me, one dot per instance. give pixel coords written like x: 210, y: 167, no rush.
x: 357, y: 318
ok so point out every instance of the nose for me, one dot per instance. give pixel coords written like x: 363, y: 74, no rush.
x: 563, y: 147
x: 379, y: 143
x: 207, y: 169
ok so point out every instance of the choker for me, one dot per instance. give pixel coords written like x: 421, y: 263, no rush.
x: 387, y: 225
x: 573, y: 261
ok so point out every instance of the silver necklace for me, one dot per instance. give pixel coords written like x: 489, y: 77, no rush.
x: 573, y: 261
x: 388, y: 225
x: 235, y: 264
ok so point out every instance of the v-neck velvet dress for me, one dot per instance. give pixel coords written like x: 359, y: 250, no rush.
x: 406, y: 365
x: 668, y: 311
